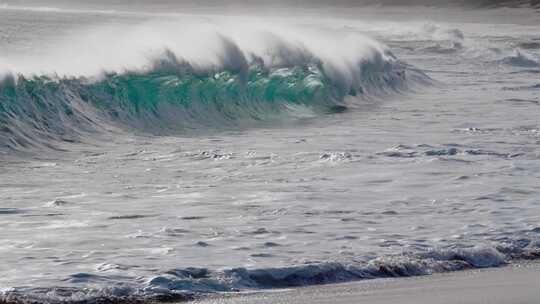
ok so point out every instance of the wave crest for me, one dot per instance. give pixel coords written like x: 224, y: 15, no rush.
x: 230, y: 85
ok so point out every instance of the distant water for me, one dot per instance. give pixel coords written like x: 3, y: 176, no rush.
x: 164, y: 155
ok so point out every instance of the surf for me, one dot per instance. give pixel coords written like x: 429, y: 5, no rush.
x: 184, y: 78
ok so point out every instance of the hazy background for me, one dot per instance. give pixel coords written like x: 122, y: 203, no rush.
x: 276, y: 3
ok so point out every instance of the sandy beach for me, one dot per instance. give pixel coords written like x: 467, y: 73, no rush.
x: 507, y: 285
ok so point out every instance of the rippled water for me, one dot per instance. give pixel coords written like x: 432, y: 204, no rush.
x: 439, y: 176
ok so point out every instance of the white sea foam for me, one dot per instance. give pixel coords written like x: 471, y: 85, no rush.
x: 441, y: 178
x: 205, y: 45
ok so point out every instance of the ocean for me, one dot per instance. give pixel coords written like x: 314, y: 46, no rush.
x: 163, y: 151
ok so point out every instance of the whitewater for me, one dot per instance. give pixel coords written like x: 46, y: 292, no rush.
x: 151, y: 154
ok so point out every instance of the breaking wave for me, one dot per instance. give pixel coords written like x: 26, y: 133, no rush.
x: 189, y: 283
x: 521, y: 59
x: 217, y: 81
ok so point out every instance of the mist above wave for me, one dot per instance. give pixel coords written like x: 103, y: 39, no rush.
x: 205, y: 44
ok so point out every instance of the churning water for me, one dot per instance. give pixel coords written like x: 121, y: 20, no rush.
x: 161, y: 155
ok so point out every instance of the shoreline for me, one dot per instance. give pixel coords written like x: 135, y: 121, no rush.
x: 514, y: 283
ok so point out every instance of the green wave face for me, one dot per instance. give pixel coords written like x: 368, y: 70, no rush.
x: 254, y: 94
x: 173, y: 95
